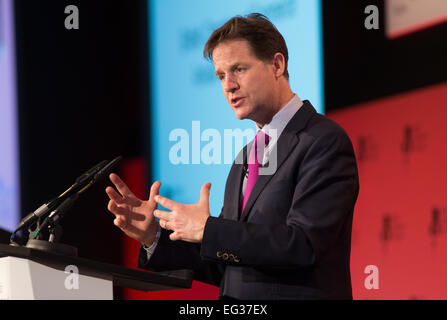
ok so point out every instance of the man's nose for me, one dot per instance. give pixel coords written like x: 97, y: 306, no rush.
x: 230, y: 84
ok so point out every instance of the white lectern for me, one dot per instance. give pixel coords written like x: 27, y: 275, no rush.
x: 27, y: 273
x: 23, y: 279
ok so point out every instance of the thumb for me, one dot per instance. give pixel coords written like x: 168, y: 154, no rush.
x: 205, y: 193
x: 155, y: 189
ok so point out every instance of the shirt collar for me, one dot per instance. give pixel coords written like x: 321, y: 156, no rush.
x: 281, y: 119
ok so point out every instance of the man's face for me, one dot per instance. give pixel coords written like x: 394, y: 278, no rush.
x: 247, y: 82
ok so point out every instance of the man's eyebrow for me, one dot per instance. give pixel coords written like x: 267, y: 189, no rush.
x: 232, y: 67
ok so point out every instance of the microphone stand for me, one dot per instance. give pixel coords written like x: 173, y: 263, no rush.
x: 64, y: 202
x: 52, y: 222
x: 82, y: 182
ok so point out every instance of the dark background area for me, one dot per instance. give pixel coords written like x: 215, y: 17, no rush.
x: 362, y: 65
x: 4, y: 236
x: 82, y: 97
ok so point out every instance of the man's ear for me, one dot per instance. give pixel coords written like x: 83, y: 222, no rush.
x: 279, y: 64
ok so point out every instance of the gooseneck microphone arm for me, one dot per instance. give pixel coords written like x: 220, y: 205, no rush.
x: 79, y: 184
x: 58, y: 213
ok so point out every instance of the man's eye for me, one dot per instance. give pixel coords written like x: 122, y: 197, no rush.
x: 240, y: 69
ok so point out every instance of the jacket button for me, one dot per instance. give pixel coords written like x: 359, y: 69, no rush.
x: 225, y: 256
x: 219, y: 254
x: 236, y: 259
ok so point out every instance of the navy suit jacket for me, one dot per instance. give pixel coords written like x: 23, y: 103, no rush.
x: 293, y: 239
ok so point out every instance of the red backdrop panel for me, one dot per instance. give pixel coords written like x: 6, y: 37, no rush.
x: 400, y: 220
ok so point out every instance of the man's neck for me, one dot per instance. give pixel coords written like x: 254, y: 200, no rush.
x: 283, y: 99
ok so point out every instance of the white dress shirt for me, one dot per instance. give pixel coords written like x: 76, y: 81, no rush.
x: 278, y: 123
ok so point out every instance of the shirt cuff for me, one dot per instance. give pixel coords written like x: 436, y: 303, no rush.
x: 150, y: 250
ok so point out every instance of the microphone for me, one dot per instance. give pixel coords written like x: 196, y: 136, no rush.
x: 55, y: 202
x: 245, y: 171
x: 88, y: 174
x: 57, y: 213
x: 95, y: 174
x: 84, y: 179
x: 107, y: 169
x: 102, y: 173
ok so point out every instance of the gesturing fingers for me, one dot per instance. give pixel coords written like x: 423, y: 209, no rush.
x: 163, y: 215
x: 205, y: 193
x: 120, y: 185
x: 175, y: 236
x: 164, y: 224
x: 167, y: 203
x: 120, y: 222
x: 116, y: 209
x: 155, y: 189
x: 113, y: 195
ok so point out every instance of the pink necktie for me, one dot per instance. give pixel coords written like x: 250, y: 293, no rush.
x: 254, y: 163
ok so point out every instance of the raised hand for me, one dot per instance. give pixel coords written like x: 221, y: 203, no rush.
x: 186, y: 220
x: 135, y: 217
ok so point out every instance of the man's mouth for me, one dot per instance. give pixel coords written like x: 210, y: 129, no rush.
x: 235, y: 102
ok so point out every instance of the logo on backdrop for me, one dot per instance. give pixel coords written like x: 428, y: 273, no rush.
x: 367, y: 149
x: 413, y: 140
x: 392, y: 229
x: 438, y: 224
x: 193, y: 37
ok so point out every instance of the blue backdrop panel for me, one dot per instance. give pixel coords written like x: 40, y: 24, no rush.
x: 187, y: 100
x: 9, y: 177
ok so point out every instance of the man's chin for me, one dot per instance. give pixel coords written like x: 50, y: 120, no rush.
x: 240, y: 115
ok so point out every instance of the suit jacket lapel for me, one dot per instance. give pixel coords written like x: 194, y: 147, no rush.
x: 286, y: 143
x: 236, y: 179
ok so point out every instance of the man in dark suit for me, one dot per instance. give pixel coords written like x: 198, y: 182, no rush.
x: 283, y: 233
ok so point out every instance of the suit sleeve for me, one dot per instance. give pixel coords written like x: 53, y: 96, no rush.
x: 175, y: 255
x: 325, y: 191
